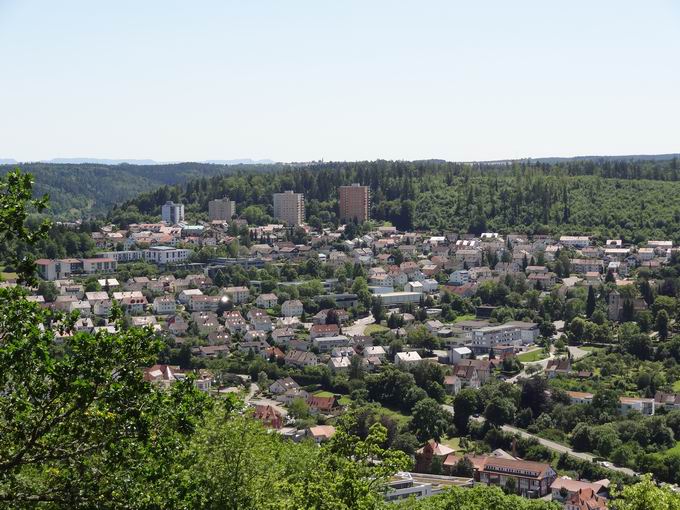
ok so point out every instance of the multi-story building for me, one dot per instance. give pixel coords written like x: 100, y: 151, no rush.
x: 354, y: 202
x: 289, y: 207
x: 164, y: 305
x: 49, y: 269
x: 485, y: 339
x: 237, y: 294
x: 642, y: 405
x: 172, y: 213
x: 328, y: 343
x: 221, y: 209
x: 166, y: 255
x: 531, y: 479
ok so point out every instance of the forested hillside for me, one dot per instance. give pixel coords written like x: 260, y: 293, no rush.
x: 85, y: 190
x: 628, y: 199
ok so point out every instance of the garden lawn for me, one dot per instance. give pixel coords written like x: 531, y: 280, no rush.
x: 375, y: 328
x: 468, y: 317
x: 453, y: 442
x: 535, y: 355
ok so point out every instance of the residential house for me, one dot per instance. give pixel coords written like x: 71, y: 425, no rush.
x: 266, y: 301
x: 431, y: 450
x: 260, y: 320
x: 321, y: 404
x: 237, y: 294
x: 133, y: 305
x: 164, y: 305
x: 204, y: 303
x: 559, y: 366
x: 283, y: 335
x: 414, y: 287
x: 585, y: 499
x: 280, y: 386
x: 473, y: 371
x: 583, y: 266
x: 542, y: 281
x: 177, y: 325
x: 580, y: 397
x: 328, y: 343
x: 320, y: 433
x: 292, y: 308
x: 452, y: 384
x: 301, y: 359
x: 430, y: 285
x: 564, y: 488
x: 407, y: 359
x: 457, y: 354
x: 211, y: 351
x: 258, y: 347
x: 374, y: 351
x: 269, y: 416
x: 186, y: 294
x: 339, y: 363
x: 669, y: 401
x: 323, y: 330
x: 644, y: 406
x: 234, y: 322
x: 101, y: 303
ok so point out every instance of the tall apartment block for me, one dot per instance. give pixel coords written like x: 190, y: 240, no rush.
x: 221, y: 209
x: 354, y: 202
x: 172, y: 213
x: 289, y: 207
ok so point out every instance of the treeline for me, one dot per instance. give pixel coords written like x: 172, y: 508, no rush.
x: 625, y: 199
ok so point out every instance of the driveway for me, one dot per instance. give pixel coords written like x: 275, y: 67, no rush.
x: 357, y: 329
x: 576, y: 352
x: 542, y: 364
x: 261, y: 401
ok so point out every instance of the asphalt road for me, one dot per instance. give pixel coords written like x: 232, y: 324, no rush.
x: 563, y: 449
x: 357, y: 329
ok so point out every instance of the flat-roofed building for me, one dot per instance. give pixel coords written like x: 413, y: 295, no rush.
x: 172, y: 213
x: 289, y: 207
x: 221, y: 209
x: 354, y: 202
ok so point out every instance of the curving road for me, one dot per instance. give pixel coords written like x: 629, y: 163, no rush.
x: 560, y: 448
x: 357, y: 329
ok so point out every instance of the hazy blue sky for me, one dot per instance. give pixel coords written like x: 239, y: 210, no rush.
x: 340, y: 80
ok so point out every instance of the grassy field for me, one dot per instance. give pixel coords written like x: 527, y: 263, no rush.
x: 401, y: 418
x: 4, y: 275
x: 535, y: 355
x: 591, y: 348
x: 453, y: 442
x: 676, y: 385
x: 675, y: 450
x: 468, y: 317
x: 344, y: 400
x: 375, y: 328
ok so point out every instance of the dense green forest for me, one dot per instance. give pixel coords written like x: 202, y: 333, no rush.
x: 79, y: 191
x: 628, y: 199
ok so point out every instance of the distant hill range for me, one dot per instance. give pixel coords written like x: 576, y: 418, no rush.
x: 141, y: 162
x: 85, y: 189
x: 630, y: 157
